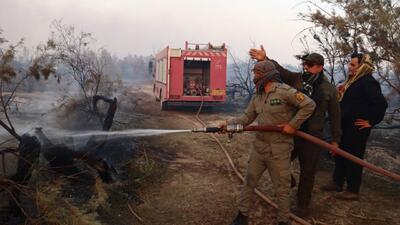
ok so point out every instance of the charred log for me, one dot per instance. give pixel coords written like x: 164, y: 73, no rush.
x: 29, y: 151
x: 63, y: 159
x: 111, y: 155
x: 112, y: 108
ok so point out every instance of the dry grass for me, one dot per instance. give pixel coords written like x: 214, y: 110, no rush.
x: 56, y: 209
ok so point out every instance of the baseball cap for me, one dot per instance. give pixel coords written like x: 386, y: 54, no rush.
x: 314, y: 58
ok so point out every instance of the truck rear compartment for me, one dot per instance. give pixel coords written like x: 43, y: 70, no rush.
x: 196, y: 76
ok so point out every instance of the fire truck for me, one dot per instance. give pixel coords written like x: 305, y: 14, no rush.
x: 190, y: 76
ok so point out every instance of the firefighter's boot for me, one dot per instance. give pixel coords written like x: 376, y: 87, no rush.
x: 240, y: 219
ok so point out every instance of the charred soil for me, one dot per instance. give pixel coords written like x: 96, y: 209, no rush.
x: 185, y: 178
x: 195, y: 184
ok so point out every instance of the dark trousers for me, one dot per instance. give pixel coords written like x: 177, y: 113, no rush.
x: 354, y: 142
x: 308, y: 155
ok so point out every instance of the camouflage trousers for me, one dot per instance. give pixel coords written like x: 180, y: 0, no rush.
x: 275, y: 158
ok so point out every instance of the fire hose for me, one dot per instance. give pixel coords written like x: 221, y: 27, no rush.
x: 230, y: 129
x: 237, y: 128
x: 236, y: 171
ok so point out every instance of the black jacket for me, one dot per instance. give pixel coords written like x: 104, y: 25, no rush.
x: 324, y: 95
x: 363, y: 100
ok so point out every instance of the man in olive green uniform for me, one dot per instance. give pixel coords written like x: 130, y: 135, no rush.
x: 274, y: 103
x: 313, y: 83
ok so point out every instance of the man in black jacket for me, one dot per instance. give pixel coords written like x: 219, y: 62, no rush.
x: 362, y: 106
x: 313, y: 83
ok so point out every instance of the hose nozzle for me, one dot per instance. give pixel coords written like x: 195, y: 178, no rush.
x: 230, y: 129
x: 207, y: 129
x: 234, y: 128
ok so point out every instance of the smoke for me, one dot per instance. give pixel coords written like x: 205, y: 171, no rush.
x: 31, y: 110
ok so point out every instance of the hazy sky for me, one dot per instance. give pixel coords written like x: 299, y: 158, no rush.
x: 146, y: 26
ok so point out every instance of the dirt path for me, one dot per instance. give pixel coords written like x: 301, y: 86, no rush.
x: 196, y: 185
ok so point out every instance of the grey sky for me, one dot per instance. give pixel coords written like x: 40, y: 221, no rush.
x: 146, y: 26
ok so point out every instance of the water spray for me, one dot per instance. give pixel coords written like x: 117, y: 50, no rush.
x: 230, y: 130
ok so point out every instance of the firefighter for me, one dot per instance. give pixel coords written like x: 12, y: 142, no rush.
x: 274, y: 103
x: 313, y: 83
x: 363, y: 106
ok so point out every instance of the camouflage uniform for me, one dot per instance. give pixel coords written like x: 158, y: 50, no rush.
x: 282, y: 104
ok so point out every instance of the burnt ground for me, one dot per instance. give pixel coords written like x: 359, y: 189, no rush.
x: 185, y: 178
x: 197, y: 186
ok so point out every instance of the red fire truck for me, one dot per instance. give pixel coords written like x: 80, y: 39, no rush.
x: 186, y: 77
